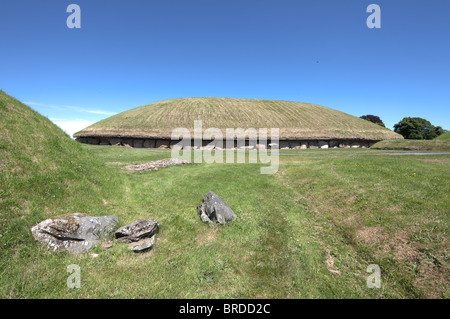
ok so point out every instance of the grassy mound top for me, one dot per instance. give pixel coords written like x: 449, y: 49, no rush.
x: 294, y: 119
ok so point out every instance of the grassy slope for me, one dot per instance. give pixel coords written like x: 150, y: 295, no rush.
x: 428, y: 145
x: 293, y: 118
x: 43, y: 173
x: 443, y: 137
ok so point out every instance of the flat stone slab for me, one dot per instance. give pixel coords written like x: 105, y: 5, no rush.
x: 142, y: 244
x: 137, y: 230
x: 74, y: 232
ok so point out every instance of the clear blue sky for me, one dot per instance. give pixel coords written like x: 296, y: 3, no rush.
x: 131, y: 53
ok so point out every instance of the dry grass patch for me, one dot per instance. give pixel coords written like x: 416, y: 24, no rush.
x: 207, y: 234
x: 371, y: 235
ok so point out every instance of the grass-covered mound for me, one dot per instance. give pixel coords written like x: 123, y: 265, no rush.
x: 294, y: 119
x: 413, y: 145
x: 42, y: 168
x: 443, y: 137
x: 43, y: 173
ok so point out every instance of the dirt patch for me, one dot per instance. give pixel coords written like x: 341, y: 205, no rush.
x: 400, y: 245
x: 430, y: 278
x: 371, y: 235
x: 433, y: 280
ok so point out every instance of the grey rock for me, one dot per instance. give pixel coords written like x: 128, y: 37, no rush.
x: 74, y: 232
x: 143, y: 244
x: 137, y: 230
x: 214, y: 209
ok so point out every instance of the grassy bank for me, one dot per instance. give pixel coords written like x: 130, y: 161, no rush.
x: 43, y: 173
x: 443, y: 137
x: 424, y: 145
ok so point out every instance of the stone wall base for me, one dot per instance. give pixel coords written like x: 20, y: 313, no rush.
x: 204, y: 144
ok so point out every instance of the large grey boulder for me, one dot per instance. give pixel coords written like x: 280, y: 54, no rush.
x: 214, y: 209
x: 139, y: 234
x: 74, y: 232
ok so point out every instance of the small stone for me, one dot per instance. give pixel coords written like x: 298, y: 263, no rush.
x: 142, y: 244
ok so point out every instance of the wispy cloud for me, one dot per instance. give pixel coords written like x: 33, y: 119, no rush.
x: 69, y: 107
x: 71, y: 126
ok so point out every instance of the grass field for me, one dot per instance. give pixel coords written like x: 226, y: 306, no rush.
x: 295, y: 119
x: 309, y: 231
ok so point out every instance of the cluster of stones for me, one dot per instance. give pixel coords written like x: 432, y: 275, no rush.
x: 169, y: 144
x: 154, y: 166
x: 78, y: 233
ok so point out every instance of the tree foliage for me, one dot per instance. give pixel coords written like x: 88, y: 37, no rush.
x: 374, y: 119
x: 416, y: 128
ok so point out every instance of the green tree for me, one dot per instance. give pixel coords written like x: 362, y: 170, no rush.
x: 374, y: 119
x: 416, y: 128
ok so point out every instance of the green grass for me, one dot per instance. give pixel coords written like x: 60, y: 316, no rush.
x: 295, y: 119
x: 43, y: 173
x: 308, y: 231
x: 427, y: 145
x: 443, y: 137
x: 288, y: 227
